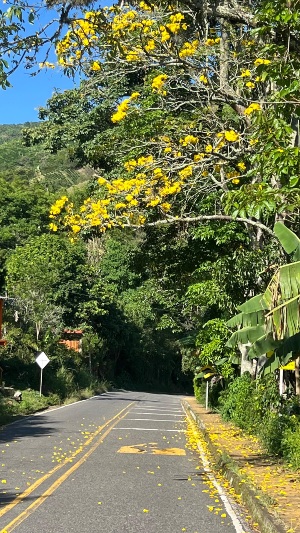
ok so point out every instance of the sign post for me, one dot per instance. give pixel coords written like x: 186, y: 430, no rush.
x: 42, y: 360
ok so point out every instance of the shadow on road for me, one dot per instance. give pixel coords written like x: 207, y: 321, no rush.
x: 31, y: 426
x: 6, y: 499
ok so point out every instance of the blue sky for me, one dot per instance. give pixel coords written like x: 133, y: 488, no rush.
x: 18, y: 104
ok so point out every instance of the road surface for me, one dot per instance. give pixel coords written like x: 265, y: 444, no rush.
x: 116, y: 463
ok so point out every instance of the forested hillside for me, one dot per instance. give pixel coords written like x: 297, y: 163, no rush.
x: 53, y: 171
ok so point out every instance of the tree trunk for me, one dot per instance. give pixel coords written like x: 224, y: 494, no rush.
x: 246, y: 364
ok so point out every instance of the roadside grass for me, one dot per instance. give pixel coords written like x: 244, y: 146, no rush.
x: 32, y: 402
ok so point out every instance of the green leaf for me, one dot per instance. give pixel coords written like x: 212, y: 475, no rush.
x: 288, y: 239
x: 254, y: 304
x: 236, y: 320
x: 263, y: 345
x: 294, y: 181
x: 245, y: 335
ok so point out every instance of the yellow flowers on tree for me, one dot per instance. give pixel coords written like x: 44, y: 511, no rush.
x: 212, y: 84
x: 221, y: 77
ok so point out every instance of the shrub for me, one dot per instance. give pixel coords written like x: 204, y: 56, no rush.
x: 248, y: 403
x: 199, y: 390
x: 236, y: 403
x: 272, y: 432
x: 290, y: 444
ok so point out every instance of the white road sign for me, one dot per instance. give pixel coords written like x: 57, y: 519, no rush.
x: 42, y: 360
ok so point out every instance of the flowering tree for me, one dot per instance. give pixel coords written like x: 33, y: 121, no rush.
x: 203, y: 108
x: 217, y: 86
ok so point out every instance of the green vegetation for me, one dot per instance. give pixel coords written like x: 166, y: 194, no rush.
x: 256, y: 407
x: 171, y: 178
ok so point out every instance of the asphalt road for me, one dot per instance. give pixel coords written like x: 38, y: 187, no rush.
x: 117, y: 463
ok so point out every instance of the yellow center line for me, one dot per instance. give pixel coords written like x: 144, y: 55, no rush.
x: 114, y: 420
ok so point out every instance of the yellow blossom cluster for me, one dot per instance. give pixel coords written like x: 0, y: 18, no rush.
x: 189, y: 49
x: 123, y: 199
x: 124, y: 21
x: 95, y: 66
x: 186, y: 172
x: 246, y: 73
x: 203, y: 79
x: 233, y: 176
x: 252, y: 107
x: 146, y: 7
x: 58, y: 206
x: 198, y: 157
x: 158, y: 84
x: 189, y: 139
x: 176, y: 24
x: 123, y: 107
x: 80, y: 38
x: 82, y: 34
x: 142, y: 161
x: 138, y: 34
x: 260, y: 61
x: 229, y: 135
x: 242, y: 166
x: 212, y: 42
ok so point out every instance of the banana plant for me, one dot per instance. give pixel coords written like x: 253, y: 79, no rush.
x: 270, y: 322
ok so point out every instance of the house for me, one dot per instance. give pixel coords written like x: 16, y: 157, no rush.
x: 72, y: 338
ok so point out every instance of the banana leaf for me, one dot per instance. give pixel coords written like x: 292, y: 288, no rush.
x: 288, y: 350
x: 289, y: 241
x: 263, y: 345
x: 236, y: 320
x: 253, y: 305
x: 282, y: 297
x: 271, y: 321
x: 289, y: 346
x: 273, y: 363
x: 246, y: 335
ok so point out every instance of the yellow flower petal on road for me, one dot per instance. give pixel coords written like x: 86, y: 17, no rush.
x: 145, y: 510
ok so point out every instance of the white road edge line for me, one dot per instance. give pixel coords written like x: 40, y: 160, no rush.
x: 207, y: 468
x: 159, y: 414
x: 158, y: 408
x: 163, y: 410
x: 166, y: 408
x: 67, y: 405
x: 150, y: 429
x: 153, y: 420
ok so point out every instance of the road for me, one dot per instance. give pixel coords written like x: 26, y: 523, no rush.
x: 116, y: 463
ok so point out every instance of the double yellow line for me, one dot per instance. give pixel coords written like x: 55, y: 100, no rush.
x: 110, y: 424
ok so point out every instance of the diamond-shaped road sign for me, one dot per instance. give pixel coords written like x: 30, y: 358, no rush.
x: 42, y: 360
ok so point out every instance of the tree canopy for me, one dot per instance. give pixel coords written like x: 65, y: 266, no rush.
x: 188, y: 115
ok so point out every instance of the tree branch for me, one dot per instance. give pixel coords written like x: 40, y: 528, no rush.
x: 201, y: 218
